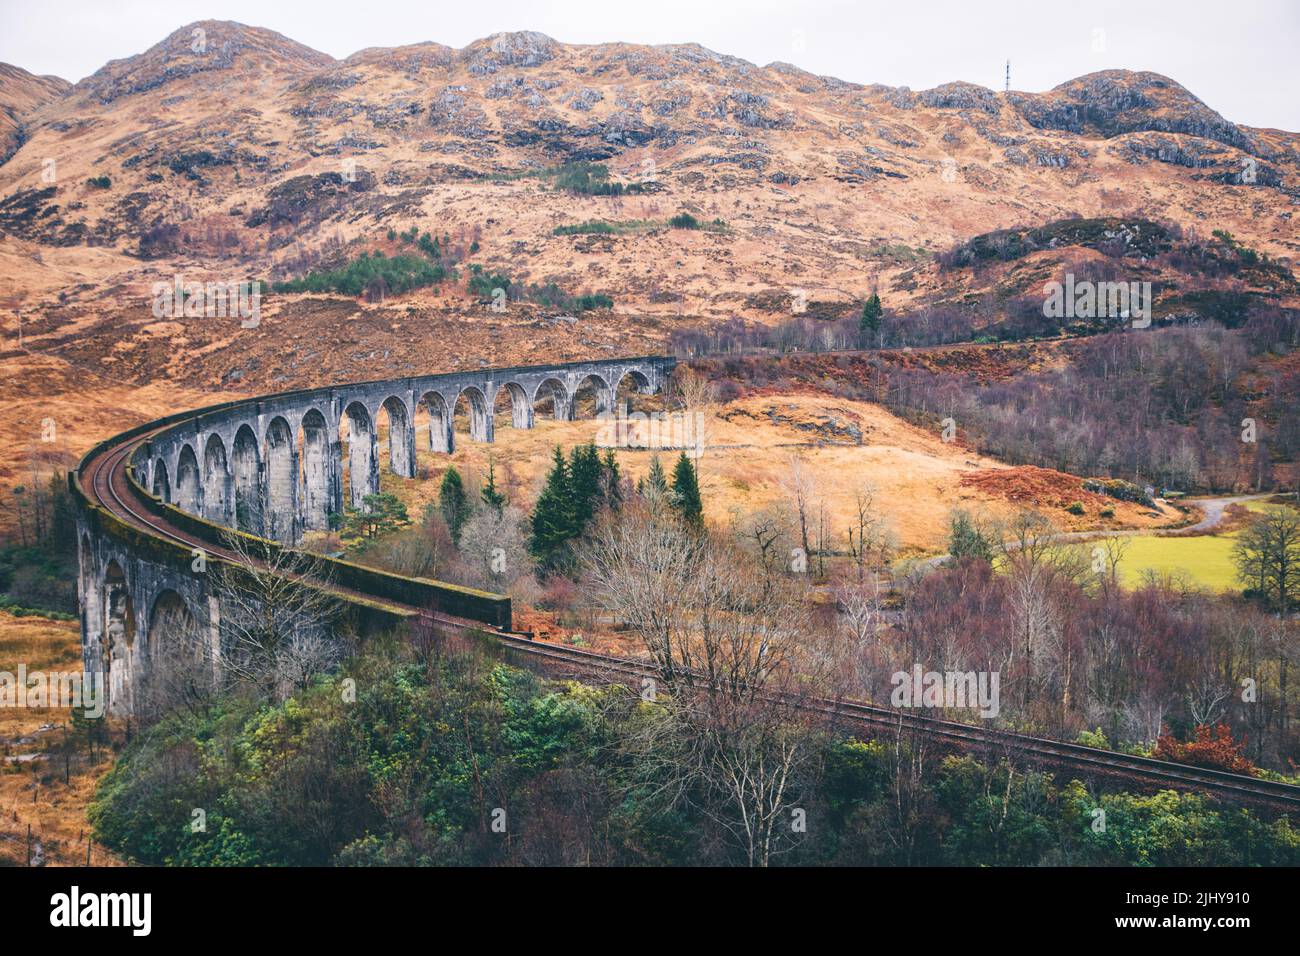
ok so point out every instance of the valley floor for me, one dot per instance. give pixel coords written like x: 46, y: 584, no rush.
x: 47, y: 772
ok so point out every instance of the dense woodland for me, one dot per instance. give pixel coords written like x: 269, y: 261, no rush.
x: 438, y: 748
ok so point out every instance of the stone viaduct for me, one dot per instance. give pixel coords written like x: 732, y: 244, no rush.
x: 274, y: 467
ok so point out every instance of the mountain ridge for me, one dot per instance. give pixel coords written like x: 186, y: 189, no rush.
x: 525, y: 49
x: 227, y: 146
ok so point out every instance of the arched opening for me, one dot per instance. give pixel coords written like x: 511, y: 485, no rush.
x: 216, y: 481
x: 360, y: 461
x: 632, y: 383
x: 118, y: 640
x: 281, y: 483
x: 433, y: 421
x: 179, y: 670
x: 592, y: 397
x: 470, y: 415
x: 162, y: 488
x: 246, y: 469
x: 317, y: 498
x: 634, y: 426
x: 394, y: 419
x: 552, y: 398
x: 510, y: 407
x: 189, y: 489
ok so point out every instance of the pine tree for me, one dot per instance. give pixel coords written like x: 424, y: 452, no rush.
x: 613, y: 480
x: 585, y: 474
x: 382, y: 514
x: 553, y: 517
x: 686, y: 493
x: 654, y: 485
x: 453, y: 503
x: 966, y: 539
x: 491, y: 497
x: 871, y: 313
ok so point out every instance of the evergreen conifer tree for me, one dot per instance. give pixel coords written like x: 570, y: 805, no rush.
x: 686, y: 493
x: 871, y: 313
x: 491, y: 497
x: 655, y: 484
x: 453, y: 503
x: 553, y: 517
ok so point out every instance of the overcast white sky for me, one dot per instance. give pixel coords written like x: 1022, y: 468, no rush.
x: 1240, y: 57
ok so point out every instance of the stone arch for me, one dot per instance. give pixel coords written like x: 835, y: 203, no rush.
x: 401, y: 437
x: 592, y: 390
x: 189, y: 486
x: 521, y: 409
x: 437, y: 417
x: 178, y: 665
x: 162, y: 487
x: 633, y: 381
x: 632, y: 427
x: 117, y: 643
x: 554, y: 398
x: 170, y: 622
x: 246, y: 468
x: 216, y: 481
x: 281, y: 481
x: 362, y: 461
x: 480, y: 419
x: 317, y: 471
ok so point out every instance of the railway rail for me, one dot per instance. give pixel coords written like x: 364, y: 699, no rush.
x: 105, y: 480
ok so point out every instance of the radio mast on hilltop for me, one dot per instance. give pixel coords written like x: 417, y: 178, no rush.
x: 1008, y: 76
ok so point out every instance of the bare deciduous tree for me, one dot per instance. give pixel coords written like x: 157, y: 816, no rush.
x: 724, y: 639
x: 803, y: 494
x: 495, y: 547
x: 277, y: 617
x: 765, y: 534
x: 868, y: 534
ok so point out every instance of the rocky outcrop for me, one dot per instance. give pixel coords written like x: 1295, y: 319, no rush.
x: 209, y: 46
x: 310, y: 198
x: 452, y: 112
x: 1116, y: 102
x: 961, y: 96
x: 501, y: 50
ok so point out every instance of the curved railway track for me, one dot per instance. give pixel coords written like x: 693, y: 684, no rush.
x: 106, y: 481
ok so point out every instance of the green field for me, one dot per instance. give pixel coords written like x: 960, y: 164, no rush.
x: 1205, y: 561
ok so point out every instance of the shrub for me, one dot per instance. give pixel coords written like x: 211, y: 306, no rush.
x: 1212, y: 747
x: 1094, y: 738
x: 684, y: 220
x: 1119, y: 489
x: 482, y: 284
x: 1076, y: 508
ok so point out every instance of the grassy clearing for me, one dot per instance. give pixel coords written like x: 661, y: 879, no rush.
x: 1205, y: 561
